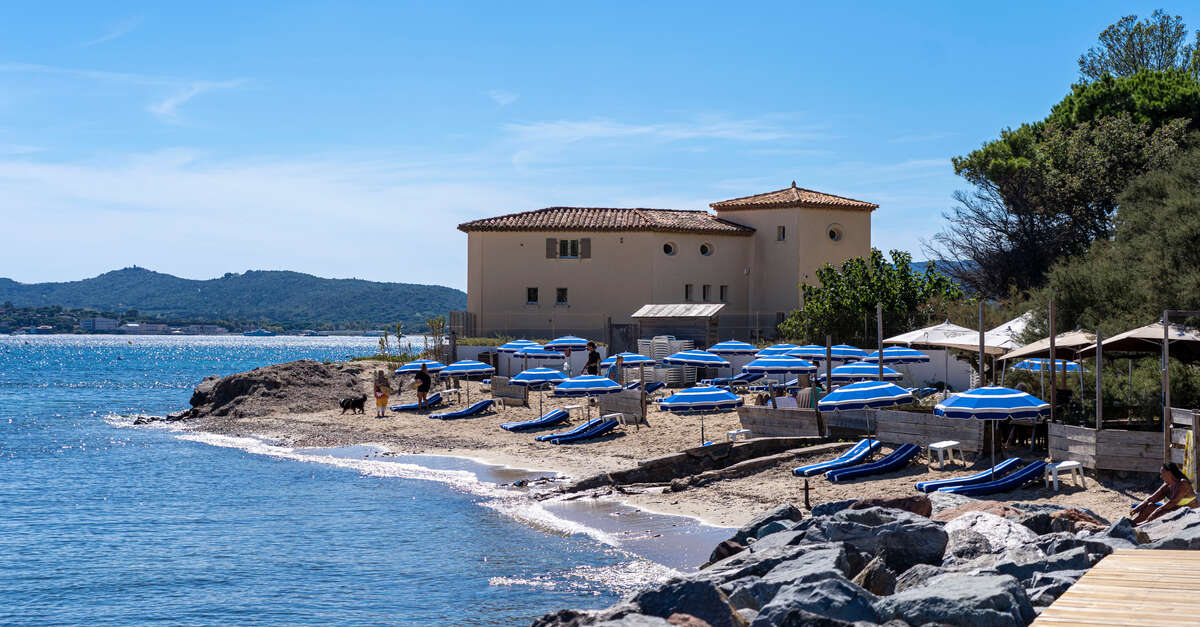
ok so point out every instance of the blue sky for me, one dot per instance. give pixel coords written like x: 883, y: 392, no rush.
x: 348, y: 139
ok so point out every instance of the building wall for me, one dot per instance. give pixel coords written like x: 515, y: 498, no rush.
x: 625, y: 271
x: 779, y: 267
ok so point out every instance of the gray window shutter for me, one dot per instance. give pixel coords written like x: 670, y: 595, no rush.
x: 585, y: 248
x: 551, y: 248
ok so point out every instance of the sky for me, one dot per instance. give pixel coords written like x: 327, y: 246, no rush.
x: 348, y: 139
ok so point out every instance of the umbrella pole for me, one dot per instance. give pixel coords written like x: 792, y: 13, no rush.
x: 992, y: 444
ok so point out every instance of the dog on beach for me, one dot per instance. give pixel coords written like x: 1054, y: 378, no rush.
x: 353, y: 404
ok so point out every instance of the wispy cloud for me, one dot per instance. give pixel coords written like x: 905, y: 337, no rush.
x: 167, y: 109
x: 569, y: 131
x: 503, y: 97
x: 115, y: 30
x: 916, y: 138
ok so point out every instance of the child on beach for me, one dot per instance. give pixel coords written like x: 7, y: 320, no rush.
x: 566, y: 369
x: 382, y: 392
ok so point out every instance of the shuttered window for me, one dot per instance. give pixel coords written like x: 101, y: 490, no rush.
x: 585, y: 248
x: 551, y: 248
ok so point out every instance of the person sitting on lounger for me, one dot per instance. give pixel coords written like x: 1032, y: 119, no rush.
x: 423, y: 383
x: 1175, y: 492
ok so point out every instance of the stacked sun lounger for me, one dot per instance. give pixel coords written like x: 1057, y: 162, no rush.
x: 896, y: 460
x: 990, y: 474
x: 474, y: 410
x: 549, y: 419
x: 854, y: 455
x: 431, y: 401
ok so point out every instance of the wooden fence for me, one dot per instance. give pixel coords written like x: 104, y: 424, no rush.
x: 1107, y: 449
x: 513, y: 395
x: 628, y: 402
x: 764, y: 421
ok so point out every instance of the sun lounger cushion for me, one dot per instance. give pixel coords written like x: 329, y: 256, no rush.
x: 898, y: 459
x: 430, y: 401
x: 1017, y: 479
x: 474, y: 410
x: 593, y: 432
x: 855, y: 454
x: 983, y: 477
x: 548, y: 419
x: 577, y: 430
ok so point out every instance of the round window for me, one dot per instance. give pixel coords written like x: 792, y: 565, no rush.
x: 669, y: 248
x: 835, y: 232
x: 706, y: 249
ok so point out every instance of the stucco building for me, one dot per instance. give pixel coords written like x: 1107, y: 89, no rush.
x: 582, y: 269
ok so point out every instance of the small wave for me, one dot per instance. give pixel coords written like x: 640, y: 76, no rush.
x: 623, y: 577
x: 532, y: 513
x: 129, y: 421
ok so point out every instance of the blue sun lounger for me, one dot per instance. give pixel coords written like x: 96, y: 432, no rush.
x: 476, y: 408
x: 577, y: 430
x: 1032, y: 472
x: 651, y: 387
x: 431, y: 401
x: 898, y: 459
x: 856, y: 454
x: 988, y: 475
x: 594, y: 432
x: 549, y: 419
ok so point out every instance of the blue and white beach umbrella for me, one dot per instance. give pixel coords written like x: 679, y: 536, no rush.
x: 567, y: 342
x: 862, y: 371
x: 538, y: 378
x: 865, y: 395
x: 696, y: 358
x: 779, y: 365
x: 630, y: 360
x: 701, y: 399
x: 516, y: 345
x: 775, y: 350
x: 899, y: 355
x: 992, y: 403
x: 586, y: 385
x: 466, y: 368
x: 415, y: 366
x: 848, y: 352
x: 732, y: 347
x: 1043, y: 365
x: 537, y: 352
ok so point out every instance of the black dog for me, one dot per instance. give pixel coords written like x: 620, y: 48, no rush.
x: 353, y: 404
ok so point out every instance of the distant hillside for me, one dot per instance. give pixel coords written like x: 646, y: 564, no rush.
x: 289, y: 299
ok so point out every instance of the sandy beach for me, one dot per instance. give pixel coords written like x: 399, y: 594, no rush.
x: 730, y: 502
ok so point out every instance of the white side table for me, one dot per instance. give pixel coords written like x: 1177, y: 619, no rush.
x: 945, y: 449
x: 1073, y: 468
x: 732, y: 436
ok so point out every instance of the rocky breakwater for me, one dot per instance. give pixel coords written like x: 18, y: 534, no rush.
x: 937, y: 560
x: 292, y: 387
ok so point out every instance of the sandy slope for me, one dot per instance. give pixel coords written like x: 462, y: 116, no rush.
x: 730, y: 502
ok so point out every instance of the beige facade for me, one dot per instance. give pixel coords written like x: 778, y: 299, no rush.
x: 610, y: 262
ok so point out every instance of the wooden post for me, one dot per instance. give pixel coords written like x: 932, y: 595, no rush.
x: 1053, y: 370
x: 828, y: 363
x: 1099, y: 380
x: 879, y: 335
x: 1166, y: 391
x: 982, y: 383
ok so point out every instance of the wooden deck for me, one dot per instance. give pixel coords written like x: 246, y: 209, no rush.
x: 1132, y: 587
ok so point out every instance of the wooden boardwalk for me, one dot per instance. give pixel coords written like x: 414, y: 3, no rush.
x: 1132, y: 587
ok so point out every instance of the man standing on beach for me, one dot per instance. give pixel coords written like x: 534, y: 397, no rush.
x: 593, y: 360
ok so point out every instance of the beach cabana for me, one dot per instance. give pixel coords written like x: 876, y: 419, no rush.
x: 700, y: 400
x: 538, y: 379
x: 992, y: 403
x: 1184, y: 341
x: 466, y: 368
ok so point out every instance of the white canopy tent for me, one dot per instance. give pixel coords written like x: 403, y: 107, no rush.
x: 943, y: 335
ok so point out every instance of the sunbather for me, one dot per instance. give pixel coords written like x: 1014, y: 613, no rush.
x: 1175, y: 492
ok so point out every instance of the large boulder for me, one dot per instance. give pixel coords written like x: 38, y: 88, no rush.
x: 917, y: 576
x: 1001, y: 534
x: 834, y: 598
x: 1045, y: 588
x: 961, y: 600
x: 902, y: 537
x: 827, y: 562
x: 1025, y: 569
x: 918, y: 505
x: 1186, y: 540
x: 786, y: 512
x: 751, y: 563
x: 1123, y: 529
x: 943, y: 501
x: 965, y: 544
x: 1170, y: 524
x: 832, y: 507
x: 635, y: 620
x: 876, y: 578
x: 698, y: 598
x: 1061, y: 541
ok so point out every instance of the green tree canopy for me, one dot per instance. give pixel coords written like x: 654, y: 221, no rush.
x: 1159, y: 42
x: 843, y: 305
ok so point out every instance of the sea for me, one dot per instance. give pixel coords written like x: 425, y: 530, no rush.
x: 107, y: 523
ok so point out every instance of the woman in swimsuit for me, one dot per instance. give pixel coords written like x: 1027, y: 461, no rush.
x: 1175, y: 492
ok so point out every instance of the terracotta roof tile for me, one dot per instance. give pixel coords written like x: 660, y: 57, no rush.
x: 792, y: 197
x: 608, y: 219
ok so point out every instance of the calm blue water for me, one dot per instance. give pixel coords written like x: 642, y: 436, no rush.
x: 106, y: 524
